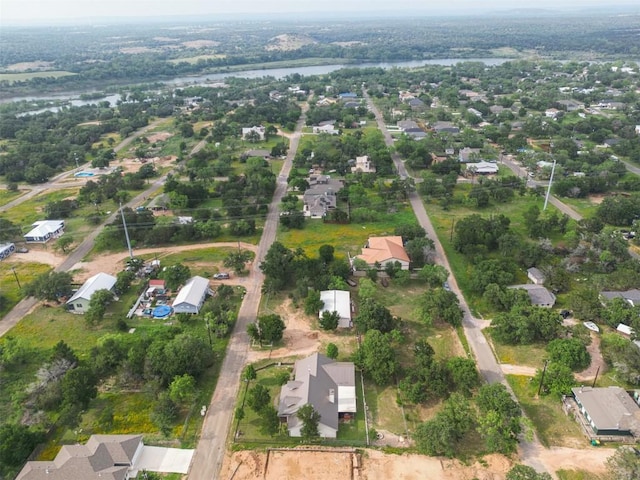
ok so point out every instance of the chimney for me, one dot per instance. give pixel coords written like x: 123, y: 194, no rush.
x: 332, y: 395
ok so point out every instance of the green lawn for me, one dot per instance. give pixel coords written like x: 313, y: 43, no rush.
x: 578, y: 475
x: 6, y: 196
x: 25, y: 273
x: 345, y: 239
x: 528, y: 355
x: 23, y: 77
x: 553, y: 426
x: 33, y: 209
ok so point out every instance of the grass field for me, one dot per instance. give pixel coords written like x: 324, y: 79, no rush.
x: 578, y: 475
x: 25, y: 273
x: 553, y: 426
x: 527, y: 355
x: 196, y: 59
x: 33, y: 209
x: 6, y: 196
x: 23, y: 77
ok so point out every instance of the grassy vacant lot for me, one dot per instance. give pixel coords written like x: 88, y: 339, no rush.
x: 33, y: 209
x: 196, y: 59
x: 553, y: 426
x: 9, y: 289
x: 345, y: 238
x: 201, y: 261
x: 23, y: 77
x: 6, y: 196
x: 584, y: 206
x: 528, y: 355
x: 577, y: 475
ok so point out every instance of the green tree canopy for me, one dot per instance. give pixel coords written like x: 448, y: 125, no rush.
x: 378, y: 357
x: 374, y: 315
x: 310, y: 419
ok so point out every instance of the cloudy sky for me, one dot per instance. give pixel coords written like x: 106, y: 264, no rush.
x: 39, y: 11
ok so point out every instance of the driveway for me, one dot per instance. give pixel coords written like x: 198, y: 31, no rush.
x: 163, y: 460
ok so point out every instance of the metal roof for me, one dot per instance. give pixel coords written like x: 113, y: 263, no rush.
x: 610, y: 408
x: 193, y: 292
x: 101, y: 281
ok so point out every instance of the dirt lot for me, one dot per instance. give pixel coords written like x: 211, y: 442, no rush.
x: 134, y: 164
x: 159, y: 137
x: 372, y: 465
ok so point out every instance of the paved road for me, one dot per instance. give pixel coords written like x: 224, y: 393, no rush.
x: 485, y: 359
x: 210, y: 451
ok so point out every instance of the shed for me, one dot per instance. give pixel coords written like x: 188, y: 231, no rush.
x: 79, y: 302
x: 6, y: 249
x: 191, y: 297
x: 337, y: 301
x: 535, y: 275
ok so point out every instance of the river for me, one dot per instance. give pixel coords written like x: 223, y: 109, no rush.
x: 72, y: 98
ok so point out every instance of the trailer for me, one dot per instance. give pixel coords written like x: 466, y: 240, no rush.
x: 6, y: 250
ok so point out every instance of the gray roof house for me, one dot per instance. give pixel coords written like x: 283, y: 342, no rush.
x: 79, y: 302
x: 445, y: 127
x: 191, y: 297
x: 608, y: 410
x: 320, y: 196
x: 535, y: 275
x: 631, y: 296
x: 327, y: 385
x: 104, y: 457
x: 539, y: 295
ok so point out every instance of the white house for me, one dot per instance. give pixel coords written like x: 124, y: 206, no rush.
x: 482, y: 168
x: 79, y: 302
x: 330, y: 129
x: 191, y: 297
x: 44, y: 230
x: 383, y: 250
x: 327, y: 385
x: 535, y: 275
x: 363, y: 164
x: 259, y: 130
x: 337, y: 301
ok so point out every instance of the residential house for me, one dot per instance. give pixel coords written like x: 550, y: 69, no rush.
x: 327, y: 385
x: 191, y: 297
x: 608, y: 410
x: 351, y: 104
x: 160, y: 202
x: 337, y: 301
x: 475, y: 112
x: 320, y: 197
x: 247, y: 133
x: 329, y: 128
x: 45, y: 230
x: 416, y: 104
x: 570, y: 105
x: 445, y: 127
x: 467, y: 154
x: 258, y: 152
x: 405, y: 96
x: 631, y: 296
x: 383, y: 250
x: 346, y: 96
x: 6, y: 249
x: 104, y: 457
x: 536, y: 276
x: 364, y: 165
x: 552, y: 113
x: 538, y: 294
x: 412, y: 129
x: 79, y: 301
x: 481, y: 168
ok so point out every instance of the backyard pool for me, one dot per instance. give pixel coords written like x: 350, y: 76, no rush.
x: 84, y: 174
x: 162, y: 311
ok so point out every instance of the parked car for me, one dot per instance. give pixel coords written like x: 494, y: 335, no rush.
x: 22, y: 250
x: 221, y: 276
x: 446, y: 286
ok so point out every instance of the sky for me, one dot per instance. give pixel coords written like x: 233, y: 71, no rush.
x: 44, y: 11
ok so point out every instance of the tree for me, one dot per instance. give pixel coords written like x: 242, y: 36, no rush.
x: 440, y: 305
x: 624, y: 464
x: 332, y: 351
x: 313, y: 304
x: 237, y: 260
x: 268, y: 328
x: 175, y: 275
x: 78, y: 387
x: 184, y: 353
x: 98, y: 306
x: 310, y: 421
x: 62, y: 351
x: 249, y: 373
x: 258, y: 398
x: 433, y: 275
x: 499, y: 422
x: 377, y: 357
x: 418, y: 250
x: 277, y: 266
x: 50, y: 286
x: 326, y: 253
x: 570, y: 352
x: 558, y: 379
x: 269, y: 421
x: 464, y: 374
x: 123, y: 281
x: 16, y: 443
x: 329, y: 320
x: 164, y: 413
x: 525, y: 472
x: 63, y: 243
x: 182, y: 389
x: 366, y: 289
x: 374, y: 315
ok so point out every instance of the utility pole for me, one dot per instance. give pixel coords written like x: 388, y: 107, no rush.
x: 546, y: 199
x: 544, y: 370
x: 126, y: 232
x: 16, y: 275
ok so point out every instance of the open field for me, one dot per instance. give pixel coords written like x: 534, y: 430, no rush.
x: 6, y: 196
x: 529, y: 355
x: 22, y: 77
x: 25, y: 269
x: 196, y: 59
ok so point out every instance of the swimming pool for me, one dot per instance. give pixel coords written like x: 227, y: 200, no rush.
x: 84, y: 174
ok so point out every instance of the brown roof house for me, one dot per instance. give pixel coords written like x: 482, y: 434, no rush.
x: 327, y: 385
x: 383, y: 250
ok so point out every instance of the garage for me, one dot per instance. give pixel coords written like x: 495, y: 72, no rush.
x: 163, y: 460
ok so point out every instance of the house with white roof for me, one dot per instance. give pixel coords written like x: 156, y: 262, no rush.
x: 327, y: 385
x: 364, y: 165
x: 44, y: 230
x: 482, y: 168
x: 260, y: 131
x: 191, y: 297
x: 79, y: 302
x: 337, y: 301
x: 383, y: 250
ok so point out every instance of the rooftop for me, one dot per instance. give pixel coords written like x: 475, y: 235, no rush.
x: 610, y: 408
x: 100, y: 281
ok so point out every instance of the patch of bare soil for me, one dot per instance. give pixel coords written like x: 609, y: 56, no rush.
x: 372, y: 465
x: 29, y: 66
x: 597, y: 361
x: 200, y: 43
x: 348, y: 44
x: 137, y: 50
x: 159, y: 137
x: 38, y: 254
x: 134, y: 164
x: 288, y: 42
x: 597, y: 199
x: 592, y: 460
